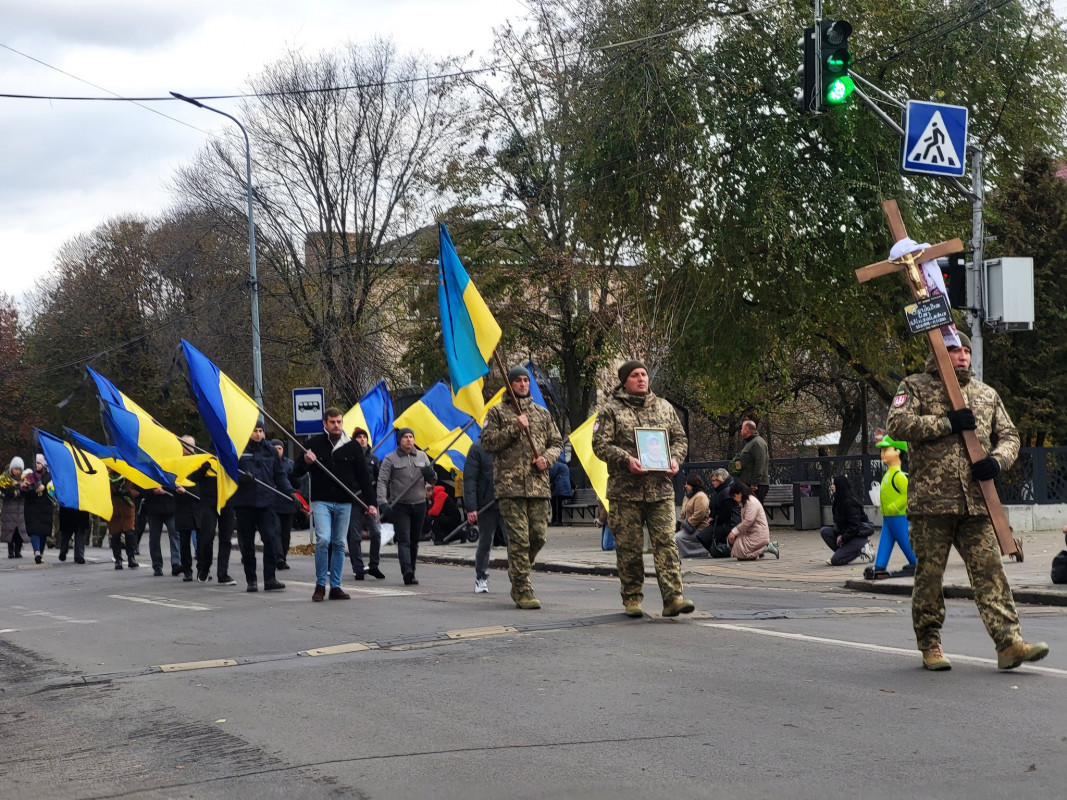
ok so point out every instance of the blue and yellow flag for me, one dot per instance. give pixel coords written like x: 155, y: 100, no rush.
x: 374, y: 414
x: 122, y: 427
x: 148, y: 435
x: 111, y: 459
x: 80, y: 478
x: 469, y: 330
x: 581, y: 440
x: 228, y: 413
x: 433, y: 416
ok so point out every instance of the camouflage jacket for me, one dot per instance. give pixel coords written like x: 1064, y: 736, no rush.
x: 514, y: 474
x: 614, y: 442
x: 940, y: 479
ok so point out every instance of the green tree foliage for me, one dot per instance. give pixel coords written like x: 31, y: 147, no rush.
x: 790, y: 205
x: 1029, y: 218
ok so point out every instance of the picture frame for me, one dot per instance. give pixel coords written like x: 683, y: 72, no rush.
x: 653, y: 449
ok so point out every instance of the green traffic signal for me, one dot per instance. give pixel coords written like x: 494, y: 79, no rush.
x: 839, y: 90
x: 837, y: 85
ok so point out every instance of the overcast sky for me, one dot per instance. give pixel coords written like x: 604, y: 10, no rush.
x: 66, y: 167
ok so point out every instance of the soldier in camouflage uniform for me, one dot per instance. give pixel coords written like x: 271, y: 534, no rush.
x: 521, y: 481
x: 946, y: 507
x: 638, y: 497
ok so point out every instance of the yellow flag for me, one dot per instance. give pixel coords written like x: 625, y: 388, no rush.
x: 582, y: 443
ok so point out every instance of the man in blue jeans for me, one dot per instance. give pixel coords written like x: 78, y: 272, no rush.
x: 338, y: 472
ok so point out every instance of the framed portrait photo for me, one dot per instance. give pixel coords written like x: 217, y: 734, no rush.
x: 653, y: 449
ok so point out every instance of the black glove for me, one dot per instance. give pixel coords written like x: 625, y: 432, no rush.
x: 962, y: 419
x: 244, y: 479
x: 986, y: 469
x: 384, y: 511
x: 429, y: 475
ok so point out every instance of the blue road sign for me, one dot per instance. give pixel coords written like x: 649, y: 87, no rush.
x: 308, y: 405
x: 935, y: 139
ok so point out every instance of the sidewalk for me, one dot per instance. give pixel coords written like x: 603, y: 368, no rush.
x: 576, y: 548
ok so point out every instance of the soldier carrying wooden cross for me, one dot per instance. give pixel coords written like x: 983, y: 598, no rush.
x: 959, y: 438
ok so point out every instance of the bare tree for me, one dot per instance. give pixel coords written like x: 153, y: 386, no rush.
x: 346, y: 148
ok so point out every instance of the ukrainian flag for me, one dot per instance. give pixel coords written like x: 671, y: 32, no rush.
x: 469, y: 330
x: 581, y: 440
x: 110, y: 458
x: 374, y: 414
x: 433, y: 416
x: 122, y: 427
x: 79, y: 478
x: 229, y: 414
x: 147, y: 434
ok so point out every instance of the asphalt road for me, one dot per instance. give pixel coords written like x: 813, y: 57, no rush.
x: 435, y: 692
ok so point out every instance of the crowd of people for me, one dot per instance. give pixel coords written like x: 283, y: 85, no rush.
x: 516, y: 480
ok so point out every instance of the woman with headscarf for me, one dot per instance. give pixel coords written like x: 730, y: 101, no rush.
x: 38, y: 507
x: 12, y: 517
x: 849, y: 536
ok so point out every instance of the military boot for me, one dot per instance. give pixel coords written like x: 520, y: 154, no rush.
x: 1020, y: 652
x: 678, y: 605
x: 527, y: 600
x: 934, y: 659
x: 633, y: 609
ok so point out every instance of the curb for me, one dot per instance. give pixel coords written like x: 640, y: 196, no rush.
x: 1026, y: 595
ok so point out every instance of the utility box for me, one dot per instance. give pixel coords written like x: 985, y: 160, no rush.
x: 1009, y: 286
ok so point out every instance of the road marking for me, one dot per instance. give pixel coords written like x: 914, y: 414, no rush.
x: 374, y: 591
x: 877, y: 648
x: 9, y: 630
x: 352, y: 647
x: 474, y: 633
x: 59, y: 617
x: 188, y: 665
x: 161, y: 601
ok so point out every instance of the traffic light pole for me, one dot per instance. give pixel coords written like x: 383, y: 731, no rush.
x: 976, y: 194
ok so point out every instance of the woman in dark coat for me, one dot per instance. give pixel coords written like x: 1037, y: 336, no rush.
x: 849, y: 536
x: 13, y: 516
x: 38, y: 508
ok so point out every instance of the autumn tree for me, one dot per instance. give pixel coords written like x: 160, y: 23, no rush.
x: 346, y: 147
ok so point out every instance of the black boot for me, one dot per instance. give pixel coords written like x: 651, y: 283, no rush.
x: 131, y: 549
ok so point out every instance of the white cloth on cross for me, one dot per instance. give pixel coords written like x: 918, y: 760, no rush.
x: 932, y: 278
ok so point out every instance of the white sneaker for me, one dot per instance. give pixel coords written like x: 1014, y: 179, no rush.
x: 481, y: 585
x: 867, y: 553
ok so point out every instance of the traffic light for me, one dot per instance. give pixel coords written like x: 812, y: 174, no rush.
x: 808, y: 98
x: 954, y: 272
x: 836, y: 59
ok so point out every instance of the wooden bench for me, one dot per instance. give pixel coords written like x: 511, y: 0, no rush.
x: 779, y: 498
x: 584, y: 501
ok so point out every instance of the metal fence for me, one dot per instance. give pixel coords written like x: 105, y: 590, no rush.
x: 1039, y: 475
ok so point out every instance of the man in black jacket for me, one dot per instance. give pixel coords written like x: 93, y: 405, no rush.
x: 331, y: 498
x: 254, y: 504
x: 359, y: 519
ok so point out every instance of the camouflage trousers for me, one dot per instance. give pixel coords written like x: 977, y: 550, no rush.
x: 932, y: 537
x: 526, y: 520
x: 627, y: 518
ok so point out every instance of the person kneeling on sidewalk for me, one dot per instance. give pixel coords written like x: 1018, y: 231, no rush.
x: 849, y: 536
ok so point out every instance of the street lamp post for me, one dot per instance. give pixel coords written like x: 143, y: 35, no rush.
x: 257, y: 355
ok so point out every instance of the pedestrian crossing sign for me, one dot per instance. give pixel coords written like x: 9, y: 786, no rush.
x: 935, y: 139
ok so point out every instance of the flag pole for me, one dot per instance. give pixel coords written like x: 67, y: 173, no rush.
x: 515, y: 401
x: 303, y: 449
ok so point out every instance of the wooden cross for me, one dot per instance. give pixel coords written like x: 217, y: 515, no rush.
x: 909, y: 265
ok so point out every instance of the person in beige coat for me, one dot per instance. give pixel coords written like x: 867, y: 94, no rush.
x: 752, y: 535
x: 696, y: 514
